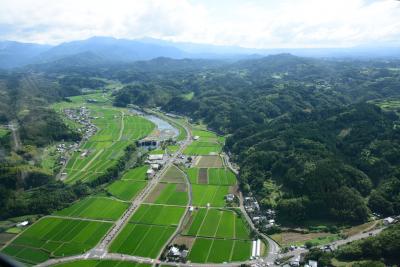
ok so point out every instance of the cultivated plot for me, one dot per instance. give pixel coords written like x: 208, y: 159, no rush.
x: 212, y: 195
x: 221, y: 176
x: 173, y: 175
x: 138, y: 173
x: 209, y: 162
x: 126, y: 189
x: 102, y: 263
x: 158, y: 214
x: 142, y: 239
x: 101, y: 208
x: 220, y: 250
x: 55, y: 237
x: 170, y: 194
x: 203, y: 148
x: 218, y: 223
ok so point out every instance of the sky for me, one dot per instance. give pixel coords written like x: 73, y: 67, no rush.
x: 246, y: 23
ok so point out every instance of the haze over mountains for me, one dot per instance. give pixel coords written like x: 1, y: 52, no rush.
x: 107, y: 49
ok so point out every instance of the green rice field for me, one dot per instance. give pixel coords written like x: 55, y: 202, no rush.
x: 55, y: 237
x: 102, y: 263
x: 173, y: 175
x: 217, y: 223
x: 203, y: 148
x: 220, y: 250
x: 95, y: 208
x: 170, y: 194
x: 142, y: 239
x: 126, y: 189
x: 138, y: 173
x: 158, y: 214
x: 209, y: 194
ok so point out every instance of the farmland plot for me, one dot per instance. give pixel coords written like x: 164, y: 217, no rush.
x: 56, y: 237
x: 209, y: 162
x: 173, y: 175
x: 126, y: 189
x: 203, y: 148
x: 214, y: 195
x: 95, y: 208
x: 142, y: 239
x: 102, y: 263
x: 138, y: 173
x: 158, y: 214
x: 221, y: 176
x: 170, y: 194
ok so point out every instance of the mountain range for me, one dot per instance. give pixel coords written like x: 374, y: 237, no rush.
x: 107, y: 49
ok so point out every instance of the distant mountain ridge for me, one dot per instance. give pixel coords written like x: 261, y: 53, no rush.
x: 109, y: 49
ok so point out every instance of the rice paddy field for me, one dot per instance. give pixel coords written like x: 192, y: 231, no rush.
x: 212, y: 176
x: 214, y: 195
x: 203, y: 148
x: 142, y: 239
x: 173, y: 175
x: 209, y: 162
x: 217, y: 223
x: 101, y: 208
x: 220, y: 250
x: 126, y: 189
x: 55, y: 237
x: 138, y: 173
x: 101, y: 263
x: 169, y: 194
x: 158, y: 214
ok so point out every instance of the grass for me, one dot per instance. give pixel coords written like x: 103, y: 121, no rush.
x: 172, y: 149
x: 126, y: 189
x: 138, y: 173
x: 209, y: 194
x: 55, y: 237
x: 156, y: 152
x: 95, y: 208
x: 102, y: 263
x: 221, y: 176
x: 218, y: 223
x: 142, y: 240
x: 158, y: 214
x: 297, y: 239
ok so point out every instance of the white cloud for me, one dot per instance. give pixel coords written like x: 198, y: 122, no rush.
x: 251, y: 23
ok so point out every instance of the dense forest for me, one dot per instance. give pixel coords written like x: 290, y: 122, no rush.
x: 305, y: 132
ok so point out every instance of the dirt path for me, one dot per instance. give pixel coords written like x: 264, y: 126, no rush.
x: 13, y: 126
x: 121, y: 131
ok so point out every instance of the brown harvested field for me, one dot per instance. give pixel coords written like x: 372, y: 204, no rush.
x: 173, y: 175
x: 155, y: 193
x: 210, y: 162
x: 5, y: 237
x: 234, y: 189
x: 184, y: 240
x: 286, y: 238
x: 181, y: 188
x: 203, y: 176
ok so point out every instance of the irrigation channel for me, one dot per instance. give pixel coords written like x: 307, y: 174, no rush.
x: 100, y: 251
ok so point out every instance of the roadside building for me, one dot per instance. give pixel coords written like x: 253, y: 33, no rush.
x: 388, y: 220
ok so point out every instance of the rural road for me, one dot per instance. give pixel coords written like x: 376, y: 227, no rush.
x: 13, y: 126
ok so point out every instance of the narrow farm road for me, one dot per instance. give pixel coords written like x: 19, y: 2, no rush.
x: 13, y: 126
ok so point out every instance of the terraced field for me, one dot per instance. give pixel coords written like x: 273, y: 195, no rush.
x: 55, y: 237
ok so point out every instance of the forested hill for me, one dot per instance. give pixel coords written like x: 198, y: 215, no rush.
x: 301, y: 130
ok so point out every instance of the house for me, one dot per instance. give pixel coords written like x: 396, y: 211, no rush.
x: 196, y: 137
x: 156, y: 157
x: 388, y: 220
x: 155, y: 166
x: 22, y: 224
x: 150, y: 172
x: 313, y: 263
x: 174, y: 251
x: 230, y: 197
x: 295, y: 261
x: 191, y: 209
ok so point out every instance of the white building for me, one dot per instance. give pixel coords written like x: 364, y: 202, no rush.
x: 388, y: 220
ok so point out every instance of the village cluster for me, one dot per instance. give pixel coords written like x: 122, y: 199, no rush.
x: 82, y: 116
x: 261, y: 219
